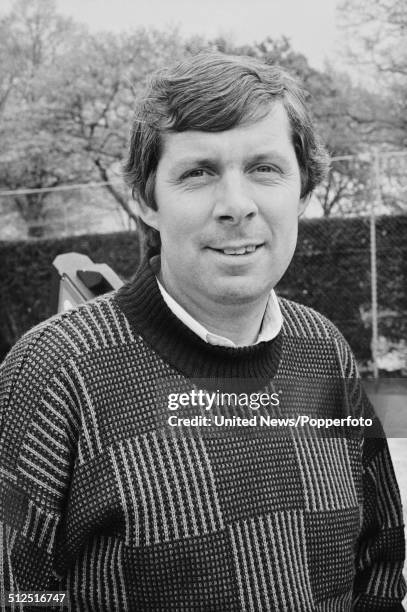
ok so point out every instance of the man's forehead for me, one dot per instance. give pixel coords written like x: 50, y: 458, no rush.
x: 270, y: 134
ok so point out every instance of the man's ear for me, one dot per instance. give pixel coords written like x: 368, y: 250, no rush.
x: 303, y: 204
x: 146, y: 213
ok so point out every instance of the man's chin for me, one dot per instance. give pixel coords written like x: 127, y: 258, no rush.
x: 235, y: 293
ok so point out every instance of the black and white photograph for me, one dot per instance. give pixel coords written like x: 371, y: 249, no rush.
x: 203, y: 305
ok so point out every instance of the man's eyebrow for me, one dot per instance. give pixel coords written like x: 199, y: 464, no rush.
x: 270, y: 155
x: 186, y: 162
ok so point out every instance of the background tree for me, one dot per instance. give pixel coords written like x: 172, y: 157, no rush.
x: 68, y: 107
x: 33, y: 51
x: 376, y: 35
x: 93, y: 99
x: 67, y: 98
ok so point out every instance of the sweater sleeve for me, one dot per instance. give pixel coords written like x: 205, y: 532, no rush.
x: 379, y: 584
x: 38, y: 434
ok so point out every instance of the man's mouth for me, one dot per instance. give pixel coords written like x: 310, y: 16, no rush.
x: 238, y: 250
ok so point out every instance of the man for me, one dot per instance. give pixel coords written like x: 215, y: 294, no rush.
x: 110, y: 498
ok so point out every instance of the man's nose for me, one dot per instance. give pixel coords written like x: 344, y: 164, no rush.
x: 233, y: 201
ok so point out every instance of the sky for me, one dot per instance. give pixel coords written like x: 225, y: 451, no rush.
x: 310, y: 24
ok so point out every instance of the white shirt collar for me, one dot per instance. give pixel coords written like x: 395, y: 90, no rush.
x: 270, y: 327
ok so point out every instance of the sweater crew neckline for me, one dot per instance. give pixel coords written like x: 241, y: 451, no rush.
x: 149, y: 316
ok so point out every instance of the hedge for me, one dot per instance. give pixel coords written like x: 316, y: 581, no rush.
x: 26, y: 272
x: 330, y: 272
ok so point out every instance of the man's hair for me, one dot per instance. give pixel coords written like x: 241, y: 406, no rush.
x: 213, y: 92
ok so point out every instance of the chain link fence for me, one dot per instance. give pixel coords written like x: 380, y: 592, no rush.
x: 351, y: 257
x: 371, y: 188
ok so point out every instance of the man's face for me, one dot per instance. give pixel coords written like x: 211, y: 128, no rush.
x: 227, y: 210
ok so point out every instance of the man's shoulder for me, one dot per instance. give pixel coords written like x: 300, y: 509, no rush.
x: 97, y: 325
x: 305, y: 322
x: 306, y: 326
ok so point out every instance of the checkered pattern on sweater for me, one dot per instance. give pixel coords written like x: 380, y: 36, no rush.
x: 98, y: 500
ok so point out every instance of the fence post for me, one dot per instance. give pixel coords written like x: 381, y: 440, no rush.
x: 375, y: 203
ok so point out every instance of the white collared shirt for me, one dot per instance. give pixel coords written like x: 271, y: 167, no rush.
x: 270, y: 327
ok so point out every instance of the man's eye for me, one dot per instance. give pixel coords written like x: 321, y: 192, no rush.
x: 266, y: 168
x: 196, y: 173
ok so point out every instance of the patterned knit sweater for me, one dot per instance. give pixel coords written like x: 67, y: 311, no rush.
x: 101, y: 499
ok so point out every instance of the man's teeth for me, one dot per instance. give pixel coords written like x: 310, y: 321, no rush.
x: 241, y: 251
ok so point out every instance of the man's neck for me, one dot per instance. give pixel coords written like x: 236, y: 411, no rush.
x: 240, y: 323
